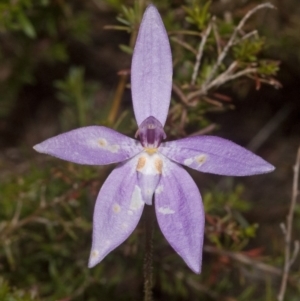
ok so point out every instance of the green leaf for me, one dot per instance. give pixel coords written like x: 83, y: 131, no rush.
x: 126, y: 49
x: 26, y: 25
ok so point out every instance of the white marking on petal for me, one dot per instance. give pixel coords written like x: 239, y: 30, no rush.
x: 188, y: 161
x: 116, y: 208
x: 136, y: 199
x: 201, y: 159
x: 129, y: 212
x: 114, y: 148
x: 124, y: 226
x: 165, y: 210
x: 102, y: 142
x: 94, y: 254
x: 159, y: 189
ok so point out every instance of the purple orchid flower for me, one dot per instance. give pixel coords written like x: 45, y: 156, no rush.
x: 150, y: 167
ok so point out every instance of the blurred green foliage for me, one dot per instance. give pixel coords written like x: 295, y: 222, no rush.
x: 8, y: 294
x: 247, y: 50
x: 46, y: 210
x: 229, y: 229
x: 77, y: 95
x: 198, y: 15
x: 45, y: 233
x: 35, y: 33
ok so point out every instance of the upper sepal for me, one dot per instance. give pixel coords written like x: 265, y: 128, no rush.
x: 215, y: 155
x: 92, y: 145
x: 151, y: 69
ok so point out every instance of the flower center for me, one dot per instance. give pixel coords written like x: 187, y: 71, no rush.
x: 151, y: 133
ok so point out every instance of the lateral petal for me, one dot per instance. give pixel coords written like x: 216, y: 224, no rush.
x: 117, y: 212
x: 151, y: 69
x: 180, y: 214
x: 215, y: 155
x: 92, y: 145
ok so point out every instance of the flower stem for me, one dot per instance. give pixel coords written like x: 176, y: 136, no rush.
x: 117, y: 100
x: 148, y: 257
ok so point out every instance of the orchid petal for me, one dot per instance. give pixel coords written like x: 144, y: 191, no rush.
x: 180, y: 214
x: 151, y: 70
x: 118, y: 209
x: 215, y: 155
x: 92, y: 145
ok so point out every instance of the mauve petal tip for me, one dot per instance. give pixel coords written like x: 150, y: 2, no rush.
x: 95, y: 258
x: 267, y: 168
x: 150, y: 5
x: 38, y: 147
x: 195, y: 267
x: 92, y: 263
x: 197, y: 271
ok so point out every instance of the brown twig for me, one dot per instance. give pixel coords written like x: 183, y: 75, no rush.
x: 205, y: 131
x: 222, y: 79
x: 184, y: 45
x: 270, y: 81
x: 121, y: 87
x: 200, y: 53
x: 232, y: 39
x: 266, y: 131
x: 117, y: 99
x: 184, y: 32
x: 287, y: 231
x: 213, y: 102
x: 180, y: 94
x: 216, y: 35
x: 244, y: 259
x: 196, y: 285
x: 116, y: 27
x: 247, y: 36
x: 183, y: 120
x: 209, y: 83
x: 225, y: 77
